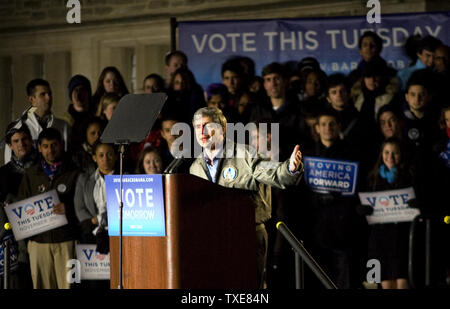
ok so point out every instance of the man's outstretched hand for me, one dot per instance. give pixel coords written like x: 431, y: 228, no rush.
x: 295, y: 159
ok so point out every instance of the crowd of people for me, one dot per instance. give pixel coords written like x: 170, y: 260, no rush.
x: 396, y: 124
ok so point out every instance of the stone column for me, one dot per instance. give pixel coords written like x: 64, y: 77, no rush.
x: 57, y: 71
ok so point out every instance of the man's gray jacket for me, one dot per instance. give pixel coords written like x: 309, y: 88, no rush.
x: 240, y: 168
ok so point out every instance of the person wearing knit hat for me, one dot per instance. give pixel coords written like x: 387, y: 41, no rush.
x: 308, y: 63
x: 80, y: 108
x: 80, y: 92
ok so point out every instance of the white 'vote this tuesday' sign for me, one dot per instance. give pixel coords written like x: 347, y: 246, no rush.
x: 34, y: 215
x: 389, y: 206
x: 94, y: 266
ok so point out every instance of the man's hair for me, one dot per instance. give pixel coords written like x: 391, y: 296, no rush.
x: 419, y: 78
x: 429, y: 43
x: 275, y: 68
x: 50, y: 134
x: 214, y: 113
x: 246, y: 63
x: 170, y: 116
x: 233, y: 65
x: 328, y: 112
x: 336, y: 80
x: 177, y: 53
x: 31, y: 86
x: 216, y: 89
x: 11, y: 130
x: 374, y: 36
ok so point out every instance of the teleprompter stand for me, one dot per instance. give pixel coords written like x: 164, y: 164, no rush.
x: 131, y: 122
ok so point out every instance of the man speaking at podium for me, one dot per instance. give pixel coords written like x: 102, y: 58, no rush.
x: 234, y: 166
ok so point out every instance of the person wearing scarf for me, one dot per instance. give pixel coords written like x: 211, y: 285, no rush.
x: 90, y: 197
x: 388, y: 242
x: 49, y: 251
x: 11, y: 174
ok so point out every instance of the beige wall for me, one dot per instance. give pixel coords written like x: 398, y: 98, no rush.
x: 38, y: 42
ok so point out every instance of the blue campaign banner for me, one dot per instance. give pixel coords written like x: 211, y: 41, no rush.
x: 143, y: 205
x: 325, y: 175
x: 332, y: 41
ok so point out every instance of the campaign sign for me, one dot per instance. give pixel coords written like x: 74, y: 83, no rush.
x: 94, y: 265
x: 13, y: 255
x: 143, y: 205
x: 34, y: 215
x: 325, y: 175
x: 333, y: 41
x: 389, y: 206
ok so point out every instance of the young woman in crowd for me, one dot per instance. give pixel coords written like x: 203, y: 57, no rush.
x: 153, y: 83
x: 108, y: 104
x: 388, y: 242
x: 93, y: 129
x: 90, y: 203
x: 90, y: 197
x: 150, y: 161
x: 110, y: 81
x: 185, y: 96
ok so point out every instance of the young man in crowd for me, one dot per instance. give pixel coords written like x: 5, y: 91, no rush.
x: 370, y: 46
x: 169, y: 149
x: 49, y: 251
x: 11, y: 174
x: 336, y: 229
x: 280, y: 107
x: 40, y: 115
x: 174, y: 60
x: 420, y: 118
x: 425, y: 59
x: 339, y: 102
x: 233, y: 76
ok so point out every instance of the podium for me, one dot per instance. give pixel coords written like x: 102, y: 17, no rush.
x: 210, y: 241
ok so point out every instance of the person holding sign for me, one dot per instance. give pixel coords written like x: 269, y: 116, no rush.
x: 11, y: 174
x: 388, y: 242
x: 49, y: 251
x: 336, y: 229
x: 232, y: 165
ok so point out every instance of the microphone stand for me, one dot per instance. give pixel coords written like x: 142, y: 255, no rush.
x: 121, y: 152
x: 173, y: 166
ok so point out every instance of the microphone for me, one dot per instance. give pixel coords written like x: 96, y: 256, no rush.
x: 7, y: 228
x: 174, y: 165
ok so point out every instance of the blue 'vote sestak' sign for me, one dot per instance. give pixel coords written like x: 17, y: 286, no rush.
x: 143, y: 205
x: 329, y: 175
